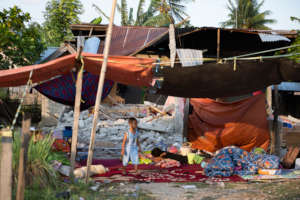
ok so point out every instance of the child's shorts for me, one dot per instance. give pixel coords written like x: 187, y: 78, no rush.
x: 133, y: 156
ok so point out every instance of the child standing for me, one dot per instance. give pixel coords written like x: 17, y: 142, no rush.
x: 131, y: 145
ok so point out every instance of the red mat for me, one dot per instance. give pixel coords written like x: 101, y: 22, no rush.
x: 151, y: 173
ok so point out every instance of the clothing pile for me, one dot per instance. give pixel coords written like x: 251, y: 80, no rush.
x: 235, y: 161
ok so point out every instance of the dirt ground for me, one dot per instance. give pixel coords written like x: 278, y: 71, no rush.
x: 289, y: 190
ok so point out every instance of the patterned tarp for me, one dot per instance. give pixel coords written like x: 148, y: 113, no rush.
x: 63, y: 90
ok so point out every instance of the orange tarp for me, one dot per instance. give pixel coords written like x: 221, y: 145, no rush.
x: 214, y: 125
x: 123, y: 69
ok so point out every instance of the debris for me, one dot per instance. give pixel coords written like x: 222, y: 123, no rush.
x: 65, y: 170
x: 186, y: 187
x: 63, y: 195
x: 94, y: 169
x: 112, y: 130
x: 221, y: 184
x: 95, y: 187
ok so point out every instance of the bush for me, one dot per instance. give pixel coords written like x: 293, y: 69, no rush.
x: 38, y: 167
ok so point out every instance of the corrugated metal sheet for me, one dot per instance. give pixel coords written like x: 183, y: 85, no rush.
x: 272, y: 37
x: 128, y: 40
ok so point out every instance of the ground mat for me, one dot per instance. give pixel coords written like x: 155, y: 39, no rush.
x: 151, y: 173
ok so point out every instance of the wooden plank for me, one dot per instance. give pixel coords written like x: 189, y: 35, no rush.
x: 293, y: 139
x: 218, y: 43
x: 25, y: 137
x: 91, y: 31
x: 6, y: 165
x: 76, y: 113
x: 100, y: 88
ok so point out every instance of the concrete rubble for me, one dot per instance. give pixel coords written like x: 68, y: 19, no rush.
x: 160, y: 131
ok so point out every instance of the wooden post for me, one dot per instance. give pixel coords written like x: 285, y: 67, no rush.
x: 218, y: 44
x: 185, y: 119
x: 6, y: 165
x: 100, y: 88
x: 269, y: 100
x: 275, y: 122
x: 76, y: 112
x: 25, y: 137
x: 172, y: 44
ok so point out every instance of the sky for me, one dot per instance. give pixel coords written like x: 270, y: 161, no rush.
x: 202, y: 12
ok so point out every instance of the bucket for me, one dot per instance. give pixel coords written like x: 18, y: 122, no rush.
x: 67, y: 133
x: 297, y: 164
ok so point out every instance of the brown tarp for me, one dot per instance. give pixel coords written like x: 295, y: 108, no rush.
x: 214, y: 125
x: 123, y: 69
x: 129, y: 40
x: 214, y: 80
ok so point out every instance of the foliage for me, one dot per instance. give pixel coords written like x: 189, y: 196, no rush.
x: 59, y: 15
x: 97, y: 20
x: 158, y: 13
x: 20, y: 41
x: 39, y: 170
x: 296, y: 42
x: 247, y: 15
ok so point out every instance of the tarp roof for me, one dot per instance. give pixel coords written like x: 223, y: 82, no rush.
x: 123, y: 69
x: 131, y: 40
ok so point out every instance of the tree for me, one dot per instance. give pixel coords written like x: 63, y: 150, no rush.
x: 246, y: 14
x: 20, y: 41
x: 296, y: 42
x: 158, y: 13
x: 59, y: 15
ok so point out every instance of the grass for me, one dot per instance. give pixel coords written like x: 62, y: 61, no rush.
x: 81, y: 190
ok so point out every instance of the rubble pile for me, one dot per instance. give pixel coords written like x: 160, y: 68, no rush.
x: 154, y: 130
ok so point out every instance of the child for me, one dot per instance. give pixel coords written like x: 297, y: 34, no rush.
x: 131, y: 146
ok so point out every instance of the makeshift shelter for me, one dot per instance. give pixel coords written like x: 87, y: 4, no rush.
x: 123, y: 69
x: 214, y: 125
x: 214, y: 80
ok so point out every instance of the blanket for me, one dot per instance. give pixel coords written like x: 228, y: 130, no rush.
x: 152, y: 173
x: 235, y: 161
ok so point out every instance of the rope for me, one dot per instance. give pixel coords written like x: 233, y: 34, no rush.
x: 29, y: 82
x: 261, y: 52
x: 241, y: 57
x: 234, y: 65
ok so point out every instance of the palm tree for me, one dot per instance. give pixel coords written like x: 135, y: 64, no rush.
x: 158, y: 13
x: 246, y: 14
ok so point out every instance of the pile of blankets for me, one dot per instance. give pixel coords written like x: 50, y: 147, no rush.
x: 235, y: 161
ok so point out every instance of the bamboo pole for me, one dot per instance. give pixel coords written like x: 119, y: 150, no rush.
x: 6, y: 165
x: 218, y: 44
x: 269, y: 100
x: 275, y: 123
x: 25, y: 137
x: 100, y: 88
x: 172, y: 44
x: 76, y: 112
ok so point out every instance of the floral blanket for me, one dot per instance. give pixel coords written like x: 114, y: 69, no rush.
x: 235, y: 161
